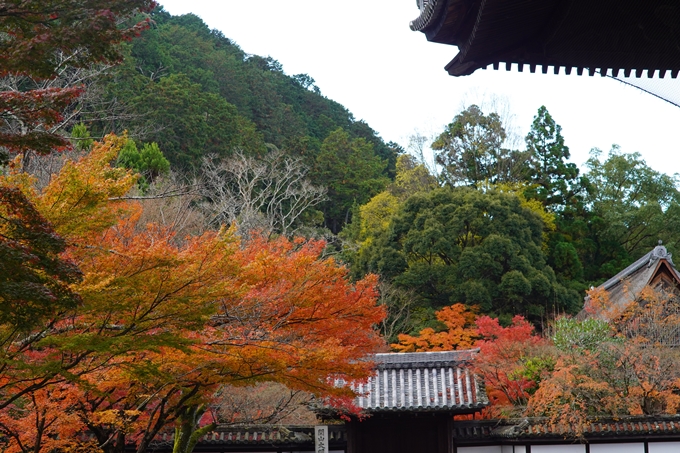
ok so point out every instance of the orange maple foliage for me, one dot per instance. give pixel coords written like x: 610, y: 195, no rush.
x: 633, y: 372
x: 461, y: 332
x: 294, y: 317
x: 598, y: 304
x: 504, y: 353
x: 42, y: 421
x: 165, y: 321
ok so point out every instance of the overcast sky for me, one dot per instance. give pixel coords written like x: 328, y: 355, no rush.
x: 363, y: 55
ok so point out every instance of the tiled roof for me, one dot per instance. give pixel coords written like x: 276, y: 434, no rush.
x: 258, y: 435
x: 665, y: 426
x: 556, y: 34
x: 430, y: 10
x: 625, y: 286
x: 645, y: 262
x: 423, y: 382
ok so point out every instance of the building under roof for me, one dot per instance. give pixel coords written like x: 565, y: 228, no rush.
x: 641, y: 434
x: 411, y: 401
x: 605, y: 36
x: 655, y: 269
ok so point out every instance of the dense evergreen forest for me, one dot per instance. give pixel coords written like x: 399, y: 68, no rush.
x: 195, y: 93
x: 511, y: 231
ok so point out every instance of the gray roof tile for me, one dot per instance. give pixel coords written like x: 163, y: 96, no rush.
x: 423, y: 382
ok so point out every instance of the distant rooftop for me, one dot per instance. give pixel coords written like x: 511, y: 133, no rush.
x: 654, y: 268
x: 646, y: 262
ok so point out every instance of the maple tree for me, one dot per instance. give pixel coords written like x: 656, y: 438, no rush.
x: 163, y: 321
x: 461, y: 332
x: 624, y: 366
x: 43, y: 422
x: 41, y: 38
x: 511, y: 359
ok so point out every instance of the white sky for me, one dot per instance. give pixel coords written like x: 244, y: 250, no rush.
x: 363, y: 55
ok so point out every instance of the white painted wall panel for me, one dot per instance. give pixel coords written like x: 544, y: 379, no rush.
x: 558, y: 449
x: 664, y: 447
x: 490, y: 449
x: 514, y: 449
x: 618, y: 448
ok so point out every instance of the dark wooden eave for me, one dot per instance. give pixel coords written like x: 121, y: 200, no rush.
x: 542, y: 431
x: 606, y: 36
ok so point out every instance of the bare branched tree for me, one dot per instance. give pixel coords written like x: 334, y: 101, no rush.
x: 91, y: 104
x: 265, y: 403
x: 171, y: 201
x: 268, y: 194
x: 399, y: 304
x: 419, y: 146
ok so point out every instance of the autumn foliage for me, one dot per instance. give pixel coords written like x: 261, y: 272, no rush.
x: 510, y: 359
x: 40, y: 39
x: 508, y: 356
x: 461, y: 332
x: 579, y: 369
x: 152, y: 325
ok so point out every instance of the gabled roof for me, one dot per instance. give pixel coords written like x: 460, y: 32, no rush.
x: 423, y: 382
x: 624, y: 287
x: 595, y: 36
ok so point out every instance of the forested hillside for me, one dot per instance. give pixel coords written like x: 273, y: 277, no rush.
x: 196, y: 93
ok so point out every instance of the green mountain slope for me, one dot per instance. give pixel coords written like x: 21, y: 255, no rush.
x: 195, y: 92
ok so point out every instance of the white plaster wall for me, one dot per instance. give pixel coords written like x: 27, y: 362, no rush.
x: 618, y: 448
x: 489, y: 449
x: 664, y: 447
x: 558, y: 449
